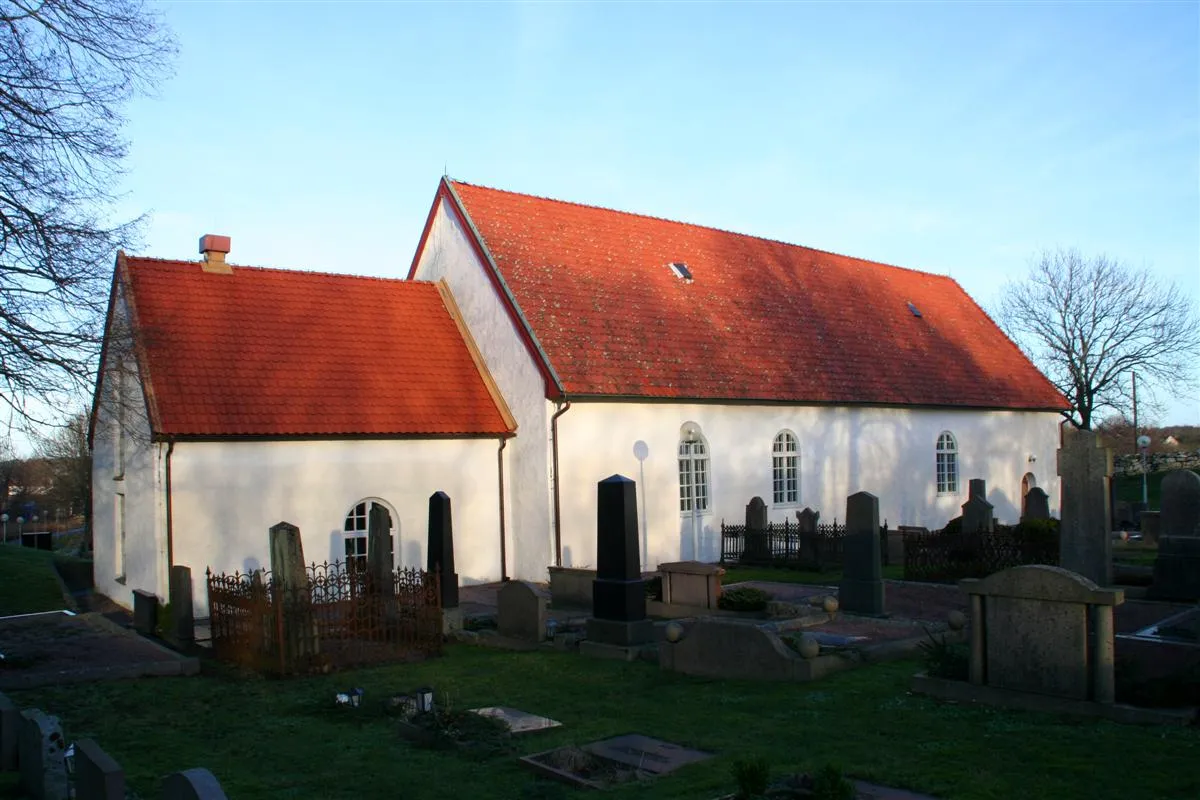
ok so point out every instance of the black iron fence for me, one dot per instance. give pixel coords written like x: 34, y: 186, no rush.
x: 339, y: 617
x: 785, y: 544
x: 950, y: 555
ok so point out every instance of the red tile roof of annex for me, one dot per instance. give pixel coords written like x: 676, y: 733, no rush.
x: 761, y: 320
x: 276, y: 353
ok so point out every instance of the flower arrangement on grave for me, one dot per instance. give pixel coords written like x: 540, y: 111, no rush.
x: 743, y: 598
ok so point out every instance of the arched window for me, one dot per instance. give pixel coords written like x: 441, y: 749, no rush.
x: 693, y: 471
x: 785, y: 468
x: 355, y: 531
x: 947, y: 464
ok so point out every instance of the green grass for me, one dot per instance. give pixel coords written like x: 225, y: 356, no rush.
x: 27, y: 581
x: 831, y: 578
x: 286, y: 739
x: 1137, y: 553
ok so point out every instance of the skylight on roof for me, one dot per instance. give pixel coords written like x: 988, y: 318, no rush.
x: 681, y: 271
x: 916, y: 312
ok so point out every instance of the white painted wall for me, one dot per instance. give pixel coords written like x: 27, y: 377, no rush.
x: 448, y: 255
x: 138, y: 478
x: 227, y: 495
x: 888, y: 452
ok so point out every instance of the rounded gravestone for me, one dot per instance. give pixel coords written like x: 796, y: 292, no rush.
x: 956, y: 619
x: 807, y: 646
x: 674, y: 632
x: 1180, y: 504
x: 829, y: 604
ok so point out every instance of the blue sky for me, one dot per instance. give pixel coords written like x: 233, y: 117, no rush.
x: 956, y: 138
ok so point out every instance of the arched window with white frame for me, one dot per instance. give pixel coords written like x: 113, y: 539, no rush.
x: 355, y: 530
x: 693, y: 471
x: 785, y: 469
x: 947, y: 463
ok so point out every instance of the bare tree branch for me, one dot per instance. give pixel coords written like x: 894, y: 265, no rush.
x: 66, y: 69
x: 1089, y: 323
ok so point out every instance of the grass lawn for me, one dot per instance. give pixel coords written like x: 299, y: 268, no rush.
x: 1138, y: 553
x: 831, y: 578
x: 286, y: 739
x: 27, y: 581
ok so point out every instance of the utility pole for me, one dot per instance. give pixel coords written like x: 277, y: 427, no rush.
x: 1135, y: 429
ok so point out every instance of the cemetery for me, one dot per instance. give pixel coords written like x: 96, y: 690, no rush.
x: 679, y: 679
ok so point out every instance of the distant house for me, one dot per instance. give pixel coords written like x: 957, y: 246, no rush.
x: 538, y: 347
x: 233, y: 398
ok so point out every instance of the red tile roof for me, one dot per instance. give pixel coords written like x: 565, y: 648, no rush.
x: 266, y: 352
x: 761, y: 320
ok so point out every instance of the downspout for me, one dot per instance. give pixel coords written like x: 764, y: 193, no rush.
x: 500, y: 472
x: 170, y: 530
x: 562, y: 409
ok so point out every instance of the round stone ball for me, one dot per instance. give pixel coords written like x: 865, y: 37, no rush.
x: 829, y: 604
x: 956, y: 619
x: 808, y: 647
x: 674, y: 632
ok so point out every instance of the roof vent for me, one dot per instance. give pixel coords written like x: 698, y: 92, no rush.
x: 214, y: 248
x: 681, y: 271
x: 916, y: 312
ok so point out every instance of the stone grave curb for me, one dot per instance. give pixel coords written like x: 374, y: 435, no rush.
x: 965, y: 692
x: 177, y: 666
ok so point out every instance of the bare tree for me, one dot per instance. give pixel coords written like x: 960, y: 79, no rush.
x: 1090, y: 322
x: 69, y: 461
x: 66, y: 68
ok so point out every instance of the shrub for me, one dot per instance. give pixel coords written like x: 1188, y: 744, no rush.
x: 743, y: 598
x: 943, y: 659
x: 830, y: 784
x: 752, y: 775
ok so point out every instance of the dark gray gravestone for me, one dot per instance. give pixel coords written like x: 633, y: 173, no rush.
x: 977, y: 511
x: 807, y: 520
x: 1085, y: 534
x: 1037, y: 504
x: 810, y: 543
x: 441, y: 547
x: 861, y: 589
x: 145, y: 612
x: 380, y: 566
x: 10, y: 733
x: 1177, y: 567
x: 618, y: 593
x: 183, y: 615
x: 521, y: 611
x: 645, y: 753
x: 97, y: 775
x: 192, y: 784
x: 1151, y: 527
x: 290, y: 580
x: 41, y: 756
x: 756, y: 547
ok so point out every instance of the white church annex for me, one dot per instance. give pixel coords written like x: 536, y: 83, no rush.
x: 537, y: 347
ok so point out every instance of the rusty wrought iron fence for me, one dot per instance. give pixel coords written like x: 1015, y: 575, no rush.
x: 947, y: 556
x: 339, y: 617
x: 785, y: 545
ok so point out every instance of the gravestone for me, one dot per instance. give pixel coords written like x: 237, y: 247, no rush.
x: 41, y: 756
x: 515, y: 720
x: 618, y: 626
x: 645, y: 753
x: 861, y: 589
x: 756, y: 548
x: 1045, y: 630
x: 521, y: 611
x: 290, y: 580
x: 1037, y: 504
x: 183, y: 616
x: 808, y: 538
x: 807, y: 520
x: 977, y: 511
x: 145, y: 612
x: 1177, y: 567
x: 1151, y: 526
x: 380, y: 564
x: 192, y: 784
x: 10, y: 733
x: 97, y: 775
x: 690, y: 583
x: 1085, y: 533
x: 441, y: 548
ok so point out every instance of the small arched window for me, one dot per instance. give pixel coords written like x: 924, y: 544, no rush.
x: 355, y: 530
x: 693, y: 471
x: 785, y: 469
x: 947, y: 464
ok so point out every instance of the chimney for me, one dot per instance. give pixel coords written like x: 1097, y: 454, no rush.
x: 214, y: 249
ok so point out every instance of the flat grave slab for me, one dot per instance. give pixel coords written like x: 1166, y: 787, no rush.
x: 517, y: 721
x: 646, y: 753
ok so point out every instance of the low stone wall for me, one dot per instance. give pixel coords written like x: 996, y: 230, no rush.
x: 571, y: 587
x: 1131, y: 464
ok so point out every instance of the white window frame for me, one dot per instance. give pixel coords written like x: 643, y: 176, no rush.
x: 946, y: 464
x: 356, y: 530
x: 785, y: 469
x: 695, y: 477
